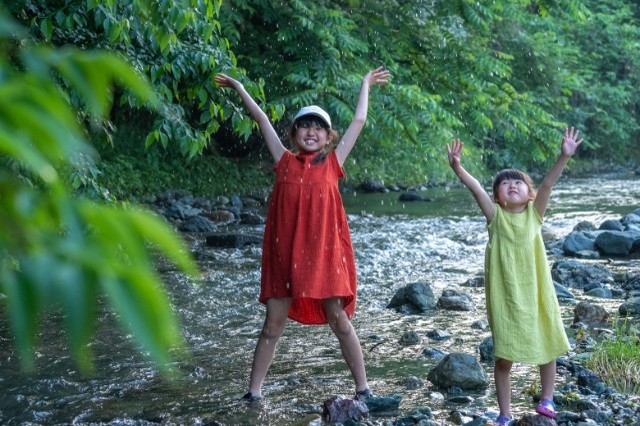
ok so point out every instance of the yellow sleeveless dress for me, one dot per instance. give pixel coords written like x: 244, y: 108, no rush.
x: 522, y: 307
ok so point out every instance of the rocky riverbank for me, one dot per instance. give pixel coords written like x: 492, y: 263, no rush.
x: 584, y: 399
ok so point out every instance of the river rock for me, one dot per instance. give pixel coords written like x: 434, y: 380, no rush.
x: 535, y: 420
x: 454, y: 299
x: 338, y: 409
x: 585, y: 225
x: 615, y: 243
x: 611, y: 225
x: 576, y: 242
x: 458, y: 370
x: 433, y: 353
x: 574, y: 274
x: 372, y: 186
x: 563, y: 294
x: 410, y: 338
x: 486, y: 350
x: 250, y: 217
x: 411, y: 196
x: 412, y: 299
x: 231, y: 240
x: 197, y: 224
x: 630, y: 307
x: 590, y: 314
x: 220, y: 215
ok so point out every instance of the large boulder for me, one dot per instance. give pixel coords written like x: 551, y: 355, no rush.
x: 615, y: 243
x: 458, y: 370
x: 415, y: 298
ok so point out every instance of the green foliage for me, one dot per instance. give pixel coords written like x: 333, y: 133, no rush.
x: 175, y: 44
x: 60, y: 253
x: 506, y: 77
x: 617, y: 361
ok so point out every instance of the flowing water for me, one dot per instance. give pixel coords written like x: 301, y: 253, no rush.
x: 440, y: 243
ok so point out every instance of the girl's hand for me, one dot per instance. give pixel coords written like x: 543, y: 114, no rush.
x: 377, y: 76
x: 454, y: 151
x: 569, y: 142
x: 225, y: 81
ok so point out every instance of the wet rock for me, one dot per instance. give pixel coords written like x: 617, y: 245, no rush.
x: 372, y: 186
x: 197, y: 224
x: 181, y: 211
x: 599, y: 291
x: 486, y: 350
x: 590, y: 380
x: 410, y: 338
x: 381, y: 404
x: 477, y: 281
x: 632, y: 283
x: 433, y: 353
x: 611, y: 225
x: 249, y: 217
x: 630, y: 307
x: 411, y: 196
x: 220, y: 215
x: 481, y: 324
x: 236, y: 201
x: 535, y: 420
x: 439, y: 335
x: 563, y: 294
x: 412, y: 382
x: 590, y: 314
x: 458, y: 369
x: 577, y: 242
x: 574, y: 274
x: 338, y: 409
x: 231, y: 240
x: 585, y: 225
x: 615, y: 243
x: 421, y: 416
x: 453, y: 299
x: 412, y: 299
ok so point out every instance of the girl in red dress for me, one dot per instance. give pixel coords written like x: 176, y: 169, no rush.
x: 308, y: 267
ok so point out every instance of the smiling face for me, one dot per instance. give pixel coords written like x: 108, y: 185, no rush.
x: 311, y: 134
x: 513, y: 189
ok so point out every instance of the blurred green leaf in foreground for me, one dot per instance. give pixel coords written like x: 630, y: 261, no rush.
x: 60, y: 252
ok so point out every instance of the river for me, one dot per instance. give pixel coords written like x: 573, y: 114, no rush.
x: 440, y: 242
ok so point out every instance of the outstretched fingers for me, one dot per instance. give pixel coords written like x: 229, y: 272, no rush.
x: 379, y: 76
x: 454, y: 151
x: 223, y: 80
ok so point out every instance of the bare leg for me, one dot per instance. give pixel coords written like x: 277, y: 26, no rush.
x: 548, y: 379
x: 502, y: 377
x: 349, y: 343
x: 274, y: 323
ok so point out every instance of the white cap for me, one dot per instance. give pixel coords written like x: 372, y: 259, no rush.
x: 315, y: 111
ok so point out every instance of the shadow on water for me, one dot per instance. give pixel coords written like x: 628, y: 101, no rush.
x: 440, y: 243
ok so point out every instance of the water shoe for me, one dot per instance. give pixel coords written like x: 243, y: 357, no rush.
x: 546, y: 408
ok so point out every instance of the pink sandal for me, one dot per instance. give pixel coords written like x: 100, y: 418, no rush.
x: 547, y: 408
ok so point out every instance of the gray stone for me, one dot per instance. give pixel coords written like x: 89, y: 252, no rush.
x: 614, y: 243
x: 458, y: 370
x: 416, y: 298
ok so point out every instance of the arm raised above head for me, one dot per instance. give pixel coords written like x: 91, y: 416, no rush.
x: 570, y: 144
x: 274, y: 144
x: 486, y: 204
x: 377, y: 76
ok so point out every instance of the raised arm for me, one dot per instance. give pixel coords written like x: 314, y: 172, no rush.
x: 569, y: 146
x: 274, y: 144
x: 486, y: 204
x: 377, y: 76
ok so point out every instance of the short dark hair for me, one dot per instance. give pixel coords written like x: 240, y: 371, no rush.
x: 512, y: 174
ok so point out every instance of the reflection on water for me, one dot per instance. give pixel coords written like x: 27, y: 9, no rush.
x: 440, y: 243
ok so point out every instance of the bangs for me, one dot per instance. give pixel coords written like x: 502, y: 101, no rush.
x: 511, y: 174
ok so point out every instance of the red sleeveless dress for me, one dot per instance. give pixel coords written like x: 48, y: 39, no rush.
x: 307, y: 253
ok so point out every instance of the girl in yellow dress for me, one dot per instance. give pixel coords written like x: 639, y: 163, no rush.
x: 522, y: 307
